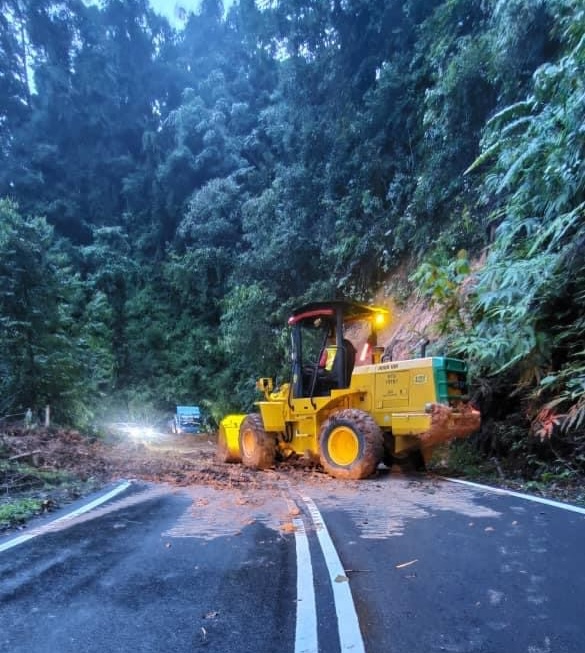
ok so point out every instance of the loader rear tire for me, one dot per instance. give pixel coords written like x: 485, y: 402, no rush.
x: 351, y: 444
x: 258, y: 447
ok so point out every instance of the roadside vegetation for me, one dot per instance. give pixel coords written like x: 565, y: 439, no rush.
x: 18, y: 511
x: 169, y: 192
x: 41, y: 469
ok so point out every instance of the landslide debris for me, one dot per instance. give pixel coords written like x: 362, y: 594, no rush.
x: 41, y: 469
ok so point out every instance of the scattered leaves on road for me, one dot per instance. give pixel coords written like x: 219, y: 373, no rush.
x: 212, y: 614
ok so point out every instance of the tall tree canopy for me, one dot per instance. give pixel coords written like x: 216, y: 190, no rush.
x: 180, y: 188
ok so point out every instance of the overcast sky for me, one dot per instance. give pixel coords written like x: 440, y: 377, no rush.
x: 167, y: 7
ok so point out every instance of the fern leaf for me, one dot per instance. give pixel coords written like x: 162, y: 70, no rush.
x: 490, y: 152
x: 512, y: 112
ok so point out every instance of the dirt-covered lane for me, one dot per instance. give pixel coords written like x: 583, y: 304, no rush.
x: 41, y: 470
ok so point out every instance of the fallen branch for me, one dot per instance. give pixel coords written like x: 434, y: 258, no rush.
x: 26, y: 485
x: 498, y: 468
x: 27, y: 454
x: 406, y: 564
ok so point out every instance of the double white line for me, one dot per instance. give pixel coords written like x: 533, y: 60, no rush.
x: 306, y: 640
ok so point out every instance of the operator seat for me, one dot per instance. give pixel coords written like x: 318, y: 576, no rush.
x: 350, y: 354
x: 339, y: 375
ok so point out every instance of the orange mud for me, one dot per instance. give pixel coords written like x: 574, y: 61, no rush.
x: 179, y: 460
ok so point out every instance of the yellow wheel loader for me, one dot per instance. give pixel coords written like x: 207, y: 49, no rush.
x: 348, y: 405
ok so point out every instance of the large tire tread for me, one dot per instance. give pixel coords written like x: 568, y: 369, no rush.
x: 371, y: 441
x: 261, y: 455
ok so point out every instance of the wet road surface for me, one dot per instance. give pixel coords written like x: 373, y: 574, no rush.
x: 394, y: 564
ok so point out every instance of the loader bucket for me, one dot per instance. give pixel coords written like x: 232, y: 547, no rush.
x: 228, y: 445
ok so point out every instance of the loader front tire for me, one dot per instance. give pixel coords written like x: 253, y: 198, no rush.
x: 258, y: 448
x: 351, y: 444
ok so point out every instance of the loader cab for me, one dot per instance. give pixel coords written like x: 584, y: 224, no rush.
x: 323, y: 355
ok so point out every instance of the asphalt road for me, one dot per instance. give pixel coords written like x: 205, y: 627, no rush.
x: 390, y: 565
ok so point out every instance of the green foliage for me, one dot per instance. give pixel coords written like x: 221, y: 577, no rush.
x: 35, y: 351
x: 462, y: 458
x: 442, y: 285
x: 33, y: 476
x: 16, y: 512
x: 249, y: 337
x: 196, y: 184
x: 55, y: 341
x: 530, y: 293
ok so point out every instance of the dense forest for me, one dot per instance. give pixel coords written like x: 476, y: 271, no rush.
x: 169, y: 192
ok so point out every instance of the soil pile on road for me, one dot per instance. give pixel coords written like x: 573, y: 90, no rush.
x: 57, y: 465
x: 59, y: 450
x: 191, y: 460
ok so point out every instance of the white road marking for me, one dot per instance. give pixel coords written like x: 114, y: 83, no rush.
x: 16, y: 541
x: 350, y: 636
x: 306, y: 628
x: 519, y: 495
x: 71, y: 515
x: 93, y: 504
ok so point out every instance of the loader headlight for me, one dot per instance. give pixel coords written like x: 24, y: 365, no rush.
x: 428, y: 408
